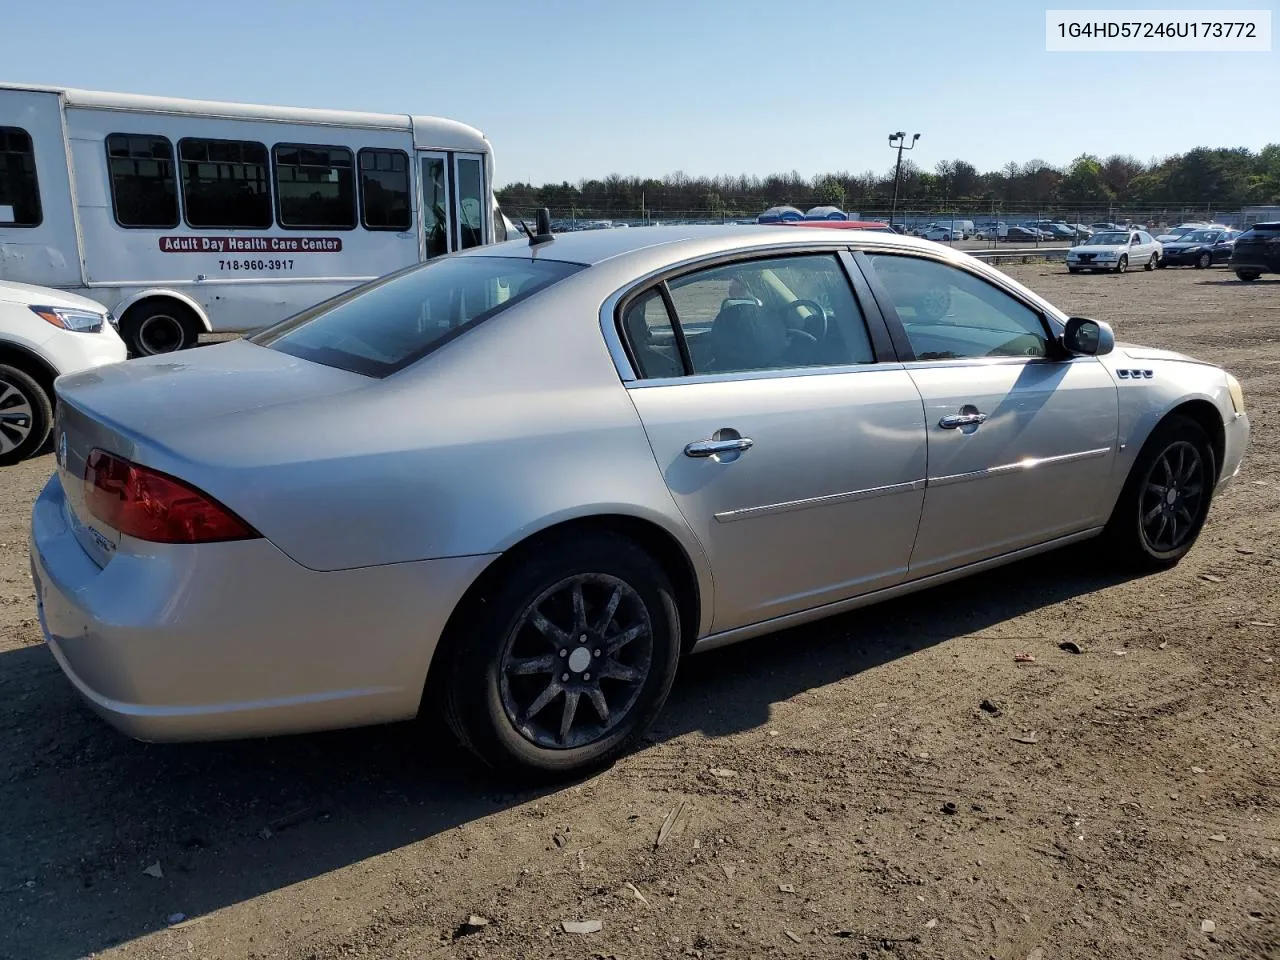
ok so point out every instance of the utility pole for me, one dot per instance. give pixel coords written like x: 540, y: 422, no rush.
x: 901, y: 138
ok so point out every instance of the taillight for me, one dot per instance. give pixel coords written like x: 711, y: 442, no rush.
x: 150, y: 505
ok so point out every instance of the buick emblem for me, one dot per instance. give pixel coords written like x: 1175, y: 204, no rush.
x: 62, y: 450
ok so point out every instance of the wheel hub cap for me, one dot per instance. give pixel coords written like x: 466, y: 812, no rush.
x: 580, y: 659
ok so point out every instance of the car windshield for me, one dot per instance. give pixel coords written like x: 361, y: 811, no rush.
x: 383, y: 326
x: 1199, y: 236
x: 1107, y: 240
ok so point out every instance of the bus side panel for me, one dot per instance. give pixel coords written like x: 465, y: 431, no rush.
x: 45, y: 254
x: 243, y: 278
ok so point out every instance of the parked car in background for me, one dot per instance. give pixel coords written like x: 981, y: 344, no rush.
x: 43, y: 334
x: 1104, y: 226
x: 1175, y: 233
x: 1019, y: 232
x: 1115, y: 250
x: 994, y: 230
x: 1199, y: 248
x: 942, y: 233
x: 237, y: 544
x: 1257, y: 251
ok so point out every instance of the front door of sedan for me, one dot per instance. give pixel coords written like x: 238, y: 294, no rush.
x: 1021, y: 446
x: 797, y: 460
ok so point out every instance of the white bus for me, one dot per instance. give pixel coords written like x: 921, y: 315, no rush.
x: 193, y: 216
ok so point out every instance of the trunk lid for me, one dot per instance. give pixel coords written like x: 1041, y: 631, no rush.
x: 153, y: 411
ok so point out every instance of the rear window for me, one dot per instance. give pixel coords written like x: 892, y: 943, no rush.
x: 383, y: 326
x: 1261, y: 231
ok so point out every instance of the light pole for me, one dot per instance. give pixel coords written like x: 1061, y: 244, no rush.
x: 899, y: 140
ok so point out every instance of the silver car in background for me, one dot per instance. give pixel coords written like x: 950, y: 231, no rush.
x: 520, y: 482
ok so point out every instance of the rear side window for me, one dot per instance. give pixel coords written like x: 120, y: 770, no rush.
x: 315, y: 186
x: 225, y: 183
x: 19, y: 190
x: 383, y: 326
x: 144, y: 192
x: 384, y: 190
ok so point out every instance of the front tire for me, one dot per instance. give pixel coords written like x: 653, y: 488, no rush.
x: 153, y: 327
x: 1248, y: 276
x: 26, y: 415
x: 1073, y: 269
x: 1166, y: 497
x: 1204, y: 261
x: 563, y: 661
x: 1123, y: 264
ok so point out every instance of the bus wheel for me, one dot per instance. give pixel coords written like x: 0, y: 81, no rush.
x: 159, y: 326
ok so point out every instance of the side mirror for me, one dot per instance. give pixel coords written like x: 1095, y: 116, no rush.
x: 1088, y: 338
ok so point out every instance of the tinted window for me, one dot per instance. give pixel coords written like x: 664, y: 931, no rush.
x: 471, y: 212
x: 1261, y: 231
x: 435, y: 207
x: 386, y: 325
x: 224, y: 183
x: 384, y: 190
x: 651, y: 338
x: 144, y: 192
x: 315, y: 186
x: 19, y: 191
x: 949, y: 313
x: 773, y: 314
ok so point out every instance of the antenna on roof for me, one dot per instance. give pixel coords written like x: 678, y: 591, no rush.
x: 544, y: 234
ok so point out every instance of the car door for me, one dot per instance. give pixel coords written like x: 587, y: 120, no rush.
x: 793, y: 446
x: 1022, y: 442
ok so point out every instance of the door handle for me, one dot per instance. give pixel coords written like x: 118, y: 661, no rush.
x: 709, y: 448
x: 957, y: 420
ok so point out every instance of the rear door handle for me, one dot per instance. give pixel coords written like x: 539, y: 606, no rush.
x: 710, y: 448
x: 957, y: 420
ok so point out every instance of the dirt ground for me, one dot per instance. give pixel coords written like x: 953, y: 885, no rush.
x: 834, y: 791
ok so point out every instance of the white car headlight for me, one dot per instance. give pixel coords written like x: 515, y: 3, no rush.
x: 77, y: 321
x: 1237, y: 394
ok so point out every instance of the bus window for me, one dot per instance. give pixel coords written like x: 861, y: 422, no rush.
x: 435, y: 206
x: 315, y: 186
x: 144, y: 192
x: 384, y: 190
x: 224, y: 183
x: 471, y: 205
x: 19, y: 191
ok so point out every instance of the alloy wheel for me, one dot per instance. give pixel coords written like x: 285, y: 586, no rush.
x: 1172, y: 497
x: 587, y: 638
x: 16, y: 417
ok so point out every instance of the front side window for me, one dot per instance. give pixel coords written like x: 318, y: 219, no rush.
x: 384, y: 190
x: 144, y: 191
x: 225, y: 183
x: 950, y: 314
x: 774, y: 314
x: 19, y: 189
x: 315, y: 187
x: 383, y: 326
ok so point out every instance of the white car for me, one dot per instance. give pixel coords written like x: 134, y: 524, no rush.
x: 43, y: 334
x: 936, y: 232
x: 1116, y: 250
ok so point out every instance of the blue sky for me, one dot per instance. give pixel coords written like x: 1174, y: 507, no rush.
x: 568, y: 89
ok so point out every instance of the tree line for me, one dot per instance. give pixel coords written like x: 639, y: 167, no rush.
x: 1207, y: 179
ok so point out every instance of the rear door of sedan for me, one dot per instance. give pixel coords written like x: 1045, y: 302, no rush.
x: 791, y: 439
x: 1022, y: 440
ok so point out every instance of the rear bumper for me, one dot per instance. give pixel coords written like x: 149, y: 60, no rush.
x: 235, y: 639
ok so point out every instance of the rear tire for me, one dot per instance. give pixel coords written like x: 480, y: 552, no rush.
x: 26, y: 415
x: 1248, y: 276
x: 516, y: 672
x: 1148, y: 530
x: 1151, y: 264
x: 153, y: 327
x: 1073, y: 269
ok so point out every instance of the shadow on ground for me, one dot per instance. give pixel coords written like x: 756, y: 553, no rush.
x: 85, y: 810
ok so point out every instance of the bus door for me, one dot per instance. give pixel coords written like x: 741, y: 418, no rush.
x: 452, y: 202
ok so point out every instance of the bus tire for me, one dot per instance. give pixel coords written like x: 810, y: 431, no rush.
x: 159, y: 326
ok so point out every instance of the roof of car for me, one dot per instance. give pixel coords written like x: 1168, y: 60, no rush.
x: 591, y: 247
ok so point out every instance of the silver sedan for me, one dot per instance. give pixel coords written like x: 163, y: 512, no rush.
x: 520, y: 482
